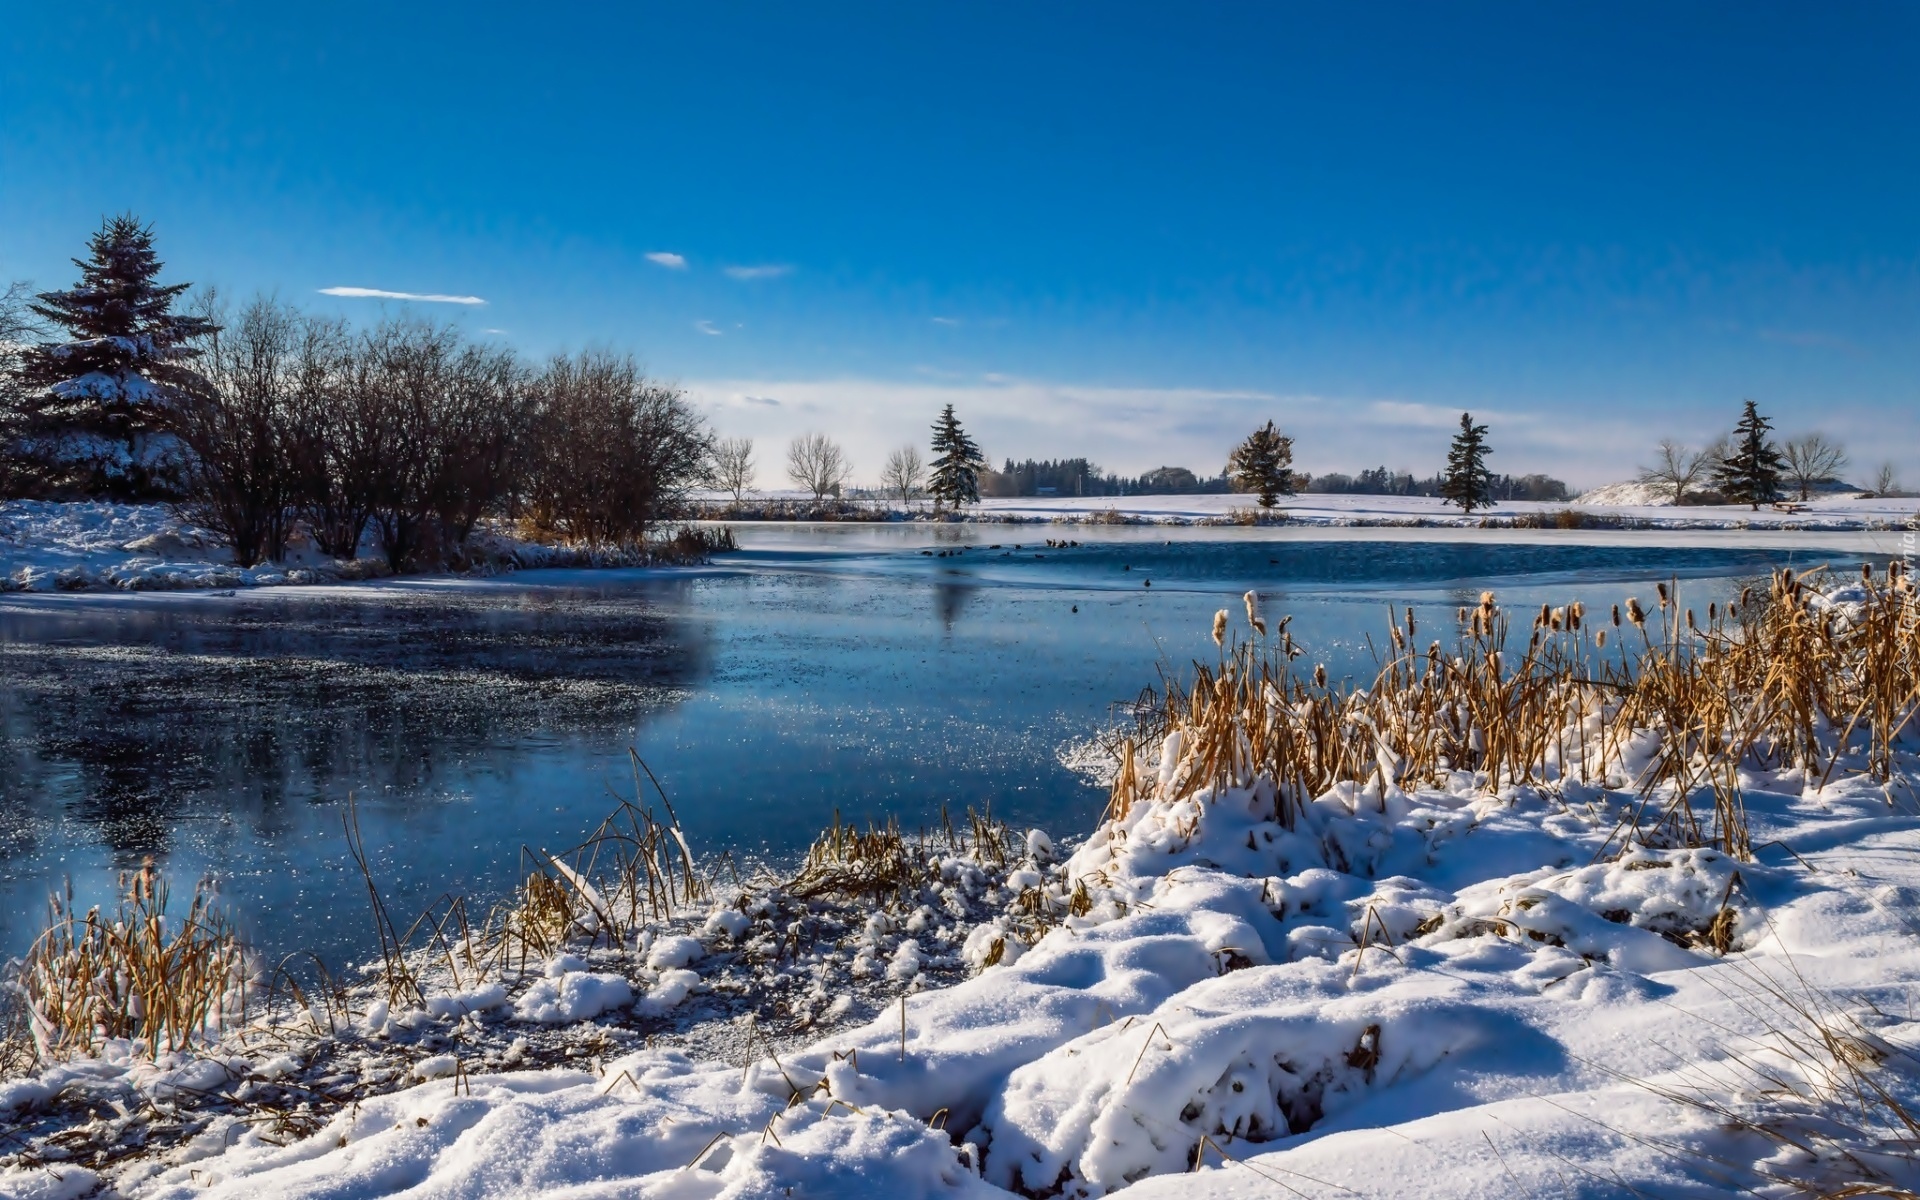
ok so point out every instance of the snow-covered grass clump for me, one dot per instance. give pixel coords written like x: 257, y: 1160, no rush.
x: 1617, y: 905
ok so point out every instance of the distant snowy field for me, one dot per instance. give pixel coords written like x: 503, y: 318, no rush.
x: 46, y: 546
x: 1629, y: 502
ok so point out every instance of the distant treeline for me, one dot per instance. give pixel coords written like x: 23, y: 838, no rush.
x: 1080, y: 477
x: 1379, y: 481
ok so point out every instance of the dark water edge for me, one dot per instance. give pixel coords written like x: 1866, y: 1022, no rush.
x: 814, y: 673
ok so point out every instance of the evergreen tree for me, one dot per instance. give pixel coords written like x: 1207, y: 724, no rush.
x: 1264, y: 464
x: 956, y: 464
x: 96, y: 409
x: 1467, y: 482
x: 1749, y: 473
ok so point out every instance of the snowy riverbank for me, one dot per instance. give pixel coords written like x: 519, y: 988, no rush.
x: 1430, y: 981
x: 47, y: 546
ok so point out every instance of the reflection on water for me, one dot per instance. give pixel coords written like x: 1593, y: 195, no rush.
x: 816, y: 673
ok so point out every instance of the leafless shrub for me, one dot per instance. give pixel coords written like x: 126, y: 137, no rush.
x: 613, y: 452
x: 816, y: 462
x: 18, y: 327
x: 239, y: 428
x: 334, y: 447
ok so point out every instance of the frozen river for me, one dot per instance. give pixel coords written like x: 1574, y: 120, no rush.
x: 872, y: 670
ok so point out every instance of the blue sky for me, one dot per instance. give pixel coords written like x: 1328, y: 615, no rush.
x: 1130, y: 232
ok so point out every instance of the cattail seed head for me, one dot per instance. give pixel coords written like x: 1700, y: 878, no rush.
x: 1220, y: 628
x: 1320, y: 675
x: 1600, y: 639
x: 1616, y: 616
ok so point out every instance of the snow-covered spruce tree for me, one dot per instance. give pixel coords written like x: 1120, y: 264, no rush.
x: 956, y: 464
x: 1467, y: 482
x: 1749, y: 473
x: 96, y: 409
x: 1264, y: 464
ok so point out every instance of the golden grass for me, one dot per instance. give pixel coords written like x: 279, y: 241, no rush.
x: 880, y: 863
x: 140, y: 973
x: 1780, y: 679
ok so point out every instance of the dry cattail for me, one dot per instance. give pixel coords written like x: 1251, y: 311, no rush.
x: 1616, y: 616
x: 1662, y: 589
x: 1635, y: 613
x: 1463, y: 614
x: 1220, y: 628
x: 1600, y: 639
x: 1253, y: 614
x: 1320, y: 675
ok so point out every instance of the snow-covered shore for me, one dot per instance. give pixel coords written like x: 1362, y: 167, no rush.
x: 1452, y: 986
x: 48, y: 546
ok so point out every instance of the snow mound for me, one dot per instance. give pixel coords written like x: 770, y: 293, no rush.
x: 574, y: 996
x: 1627, y: 494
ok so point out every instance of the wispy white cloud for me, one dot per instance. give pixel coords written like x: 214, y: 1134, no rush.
x: 946, y: 320
x: 360, y: 293
x: 764, y: 401
x: 668, y: 259
x: 765, y: 271
x: 707, y: 327
x: 497, y: 332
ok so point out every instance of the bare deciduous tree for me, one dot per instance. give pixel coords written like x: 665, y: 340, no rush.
x: 334, y: 452
x: 733, y: 466
x: 1677, y: 468
x: 1886, y: 481
x: 19, y: 326
x: 904, y: 474
x: 816, y: 462
x: 238, y: 428
x: 1812, y: 458
x: 613, y: 451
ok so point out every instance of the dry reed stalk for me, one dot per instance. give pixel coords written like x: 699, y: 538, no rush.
x: 1780, y: 680
x: 139, y: 974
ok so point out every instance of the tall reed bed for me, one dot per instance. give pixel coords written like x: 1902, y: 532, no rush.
x: 140, y: 973
x: 1667, y: 704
